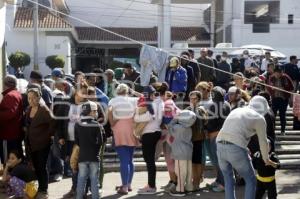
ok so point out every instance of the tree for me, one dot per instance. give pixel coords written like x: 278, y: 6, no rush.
x: 19, y: 59
x: 55, y: 61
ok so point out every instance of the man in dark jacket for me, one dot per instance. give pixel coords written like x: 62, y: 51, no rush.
x: 131, y: 74
x: 206, y: 64
x: 223, y: 79
x: 292, y: 70
x: 11, y: 118
x: 193, y: 63
x: 280, y: 99
x: 191, y: 80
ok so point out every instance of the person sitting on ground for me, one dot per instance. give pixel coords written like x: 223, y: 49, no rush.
x: 18, y: 177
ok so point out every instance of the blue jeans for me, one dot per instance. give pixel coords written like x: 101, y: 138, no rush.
x: 232, y: 156
x: 212, y: 152
x: 125, y: 154
x: 88, y: 170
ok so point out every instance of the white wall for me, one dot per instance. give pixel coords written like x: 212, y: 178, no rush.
x: 283, y: 37
x: 48, y: 45
x: 123, y: 13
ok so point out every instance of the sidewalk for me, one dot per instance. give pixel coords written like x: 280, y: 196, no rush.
x: 288, y: 186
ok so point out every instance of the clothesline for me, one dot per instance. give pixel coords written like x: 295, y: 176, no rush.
x: 144, y: 44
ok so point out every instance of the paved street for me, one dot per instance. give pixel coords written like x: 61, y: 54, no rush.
x: 288, y: 184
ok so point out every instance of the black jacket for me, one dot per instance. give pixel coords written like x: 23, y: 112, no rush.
x: 89, y: 137
x: 260, y: 166
x: 218, y: 110
x: 292, y: 70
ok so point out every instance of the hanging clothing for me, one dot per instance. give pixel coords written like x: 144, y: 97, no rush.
x: 152, y: 59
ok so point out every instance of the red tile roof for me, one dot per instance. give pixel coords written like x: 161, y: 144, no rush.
x: 47, y: 19
x: 141, y: 34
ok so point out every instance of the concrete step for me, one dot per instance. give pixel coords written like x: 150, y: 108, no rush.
x: 287, y: 138
x: 288, y: 132
x: 290, y: 164
x: 287, y: 142
x: 289, y: 156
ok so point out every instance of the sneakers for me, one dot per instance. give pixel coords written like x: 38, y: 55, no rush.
x: 176, y: 193
x: 219, y: 188
x: 167, y: 185
x: 57, y: 178
x: 147, y: 191
x: 171, y: 187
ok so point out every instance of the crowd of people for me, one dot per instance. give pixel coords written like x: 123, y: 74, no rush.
x: 206, y: 107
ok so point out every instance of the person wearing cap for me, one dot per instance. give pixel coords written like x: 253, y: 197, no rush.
x: 176, y: 76
x: 57, y: 73
x: 280, y: 99
x: 232, y: 141
x: 150, y: 137
x: 39, y: 129
x: 206, y: 66
x: 191, y: 79
x: 89, y: 137
x: 130, y: 74
x: 11, y: 114
x: 37, y: 78
x: 111, y: 83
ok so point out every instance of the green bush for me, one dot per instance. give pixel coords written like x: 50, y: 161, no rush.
x: 19, y: 59
x: 55, y: 61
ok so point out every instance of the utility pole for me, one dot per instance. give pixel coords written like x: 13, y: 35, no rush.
x: 212, y: 23
x: 36, y: 35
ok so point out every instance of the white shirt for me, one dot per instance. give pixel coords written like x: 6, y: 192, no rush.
x: 154, y: 124
x: 123, y: 107
x: 264, y: 64
x: 74, y: 116
x: 240, y: 125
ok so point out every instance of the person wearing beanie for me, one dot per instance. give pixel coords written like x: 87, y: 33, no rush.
x: 89, y: 135
x: 37, y: 78
x: 232, y: 141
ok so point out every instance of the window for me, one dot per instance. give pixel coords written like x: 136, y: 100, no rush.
x: 290, y: 19
x: 261, y: 14
x: 261, y: 28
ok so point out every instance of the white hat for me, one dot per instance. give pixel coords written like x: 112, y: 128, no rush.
x: 259, y: 104
x: 232, y: 89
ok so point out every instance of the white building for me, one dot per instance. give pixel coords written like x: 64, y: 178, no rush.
x: 275, y: 23
x: 84, y: 46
